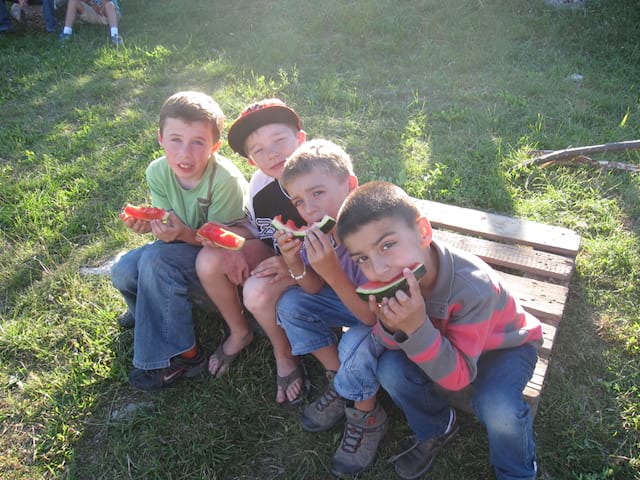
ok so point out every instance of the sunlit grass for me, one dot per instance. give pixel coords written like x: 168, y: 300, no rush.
x: 443, y: 98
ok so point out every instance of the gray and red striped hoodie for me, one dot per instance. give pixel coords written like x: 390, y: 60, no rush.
x: 470, y: 311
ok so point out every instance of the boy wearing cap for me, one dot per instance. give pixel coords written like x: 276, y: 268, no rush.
x: 265, y: 133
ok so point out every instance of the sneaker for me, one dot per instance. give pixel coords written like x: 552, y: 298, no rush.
x: 362, y: 435
x: 65, y: 38
x: 151, y: 380
x: 116, y: 41
x: 325, y: 412
x: 416, y: 460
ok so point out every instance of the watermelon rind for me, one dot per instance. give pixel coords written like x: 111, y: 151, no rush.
x: 389, y: 289
x: 325, y: 225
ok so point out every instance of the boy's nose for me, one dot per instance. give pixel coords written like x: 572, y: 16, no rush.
x: 380, y: 267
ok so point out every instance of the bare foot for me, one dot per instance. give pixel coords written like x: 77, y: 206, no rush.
x: 221, y: 359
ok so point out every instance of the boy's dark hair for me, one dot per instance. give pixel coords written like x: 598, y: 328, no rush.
x: 193, y: 107
x: 375, y: 201
x: 259, y: 114
x: 318, y: 154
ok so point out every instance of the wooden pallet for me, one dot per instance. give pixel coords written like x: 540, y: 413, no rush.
x: 536, y: 260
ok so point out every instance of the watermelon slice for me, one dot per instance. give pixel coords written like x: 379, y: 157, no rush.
x: 220, y: 236
x: 325, y: 225
x: 388, y: 289
x: 146, y: 213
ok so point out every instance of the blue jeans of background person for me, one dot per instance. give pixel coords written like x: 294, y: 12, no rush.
x: 5, y: 17
x: 311, y: 322
x: 50, y: 20
x: 156, y: 280
x: 497, y: 402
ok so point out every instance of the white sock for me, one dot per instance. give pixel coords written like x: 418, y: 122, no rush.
x: 67, y: 30
x: 114, y: 31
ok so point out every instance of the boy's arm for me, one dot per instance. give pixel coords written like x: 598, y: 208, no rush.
x: 449, y: 359
x: 174, y: 230
x: 325, y: 262
x: 304, y: 275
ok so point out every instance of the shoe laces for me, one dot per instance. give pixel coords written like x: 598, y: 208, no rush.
x: 327, y: 398
x: 353, y: 435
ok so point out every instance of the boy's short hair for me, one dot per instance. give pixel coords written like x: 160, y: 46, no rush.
x: 259, y: 114
x: 193, y: 107
x: 318, y: 154
x: 375, y: 201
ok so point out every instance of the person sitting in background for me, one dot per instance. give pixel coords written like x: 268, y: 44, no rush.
x: 101, y: 12
x: 24, y: 11
x: 17, y: 10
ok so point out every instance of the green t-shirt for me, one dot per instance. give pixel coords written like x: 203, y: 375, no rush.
x: 229, y: 193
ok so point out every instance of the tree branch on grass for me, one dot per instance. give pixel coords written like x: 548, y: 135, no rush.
x: 578, y: 156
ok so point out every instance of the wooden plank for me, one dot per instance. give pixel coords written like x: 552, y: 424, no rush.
x: 544, y: 237
x: 526, y: 260
x: 544, y: 300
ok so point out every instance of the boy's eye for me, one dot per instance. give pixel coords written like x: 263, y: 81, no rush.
x: 361, y: 260
x: 317, y: 193
x: 387, y: 245
x: 297, y: 203
x: 198, y: 143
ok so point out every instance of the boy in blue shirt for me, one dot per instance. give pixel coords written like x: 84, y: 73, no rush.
x: 318, y: 177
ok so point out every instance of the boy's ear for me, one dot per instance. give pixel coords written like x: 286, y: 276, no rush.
x: 251, y: 162
x: 426, y: 232
x: 216, y: 146
x: 353, y: 183
x: 302, y: 137
x: 160, y: 137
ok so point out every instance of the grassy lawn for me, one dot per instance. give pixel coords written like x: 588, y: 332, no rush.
x: 444, y: 98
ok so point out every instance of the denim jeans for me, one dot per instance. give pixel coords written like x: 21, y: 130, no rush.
x: 50, y: 20
x: 5, y: 17
x: 157, y: 281
x: 311, y: 322
x: 497, y: 402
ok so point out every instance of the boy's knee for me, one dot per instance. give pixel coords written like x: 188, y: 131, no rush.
x: 207, y: 262
x: 498, y: 412
x: 253, y: 296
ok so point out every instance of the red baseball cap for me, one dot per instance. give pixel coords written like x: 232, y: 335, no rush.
x: 256, y: 115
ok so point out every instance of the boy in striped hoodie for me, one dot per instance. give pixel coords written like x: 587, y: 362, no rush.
x: 457, y: 326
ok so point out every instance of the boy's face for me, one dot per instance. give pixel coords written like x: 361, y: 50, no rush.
x: 270, y: 145
x: 188, y: 147
x: 384, y: 247
x: 318, y: 193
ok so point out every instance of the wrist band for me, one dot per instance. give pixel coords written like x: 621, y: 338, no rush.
x: 301, y: 276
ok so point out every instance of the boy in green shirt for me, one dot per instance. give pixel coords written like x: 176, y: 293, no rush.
x: 195, y: 185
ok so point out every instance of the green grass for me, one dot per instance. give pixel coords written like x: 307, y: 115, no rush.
x: 444, y: 98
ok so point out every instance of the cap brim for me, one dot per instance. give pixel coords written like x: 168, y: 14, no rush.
x: 245, y: 126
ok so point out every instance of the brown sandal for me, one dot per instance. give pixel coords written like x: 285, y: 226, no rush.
x: 300, y: 372
x: 224, y: 361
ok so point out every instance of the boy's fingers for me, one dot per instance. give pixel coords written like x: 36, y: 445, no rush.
x: 414, y: 286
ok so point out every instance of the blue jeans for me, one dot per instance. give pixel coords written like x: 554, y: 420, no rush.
x: 50, y: 20
x: 157, y: 280
x: 5, y: 17
x: 497, y: 402
x: 311, y: 321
